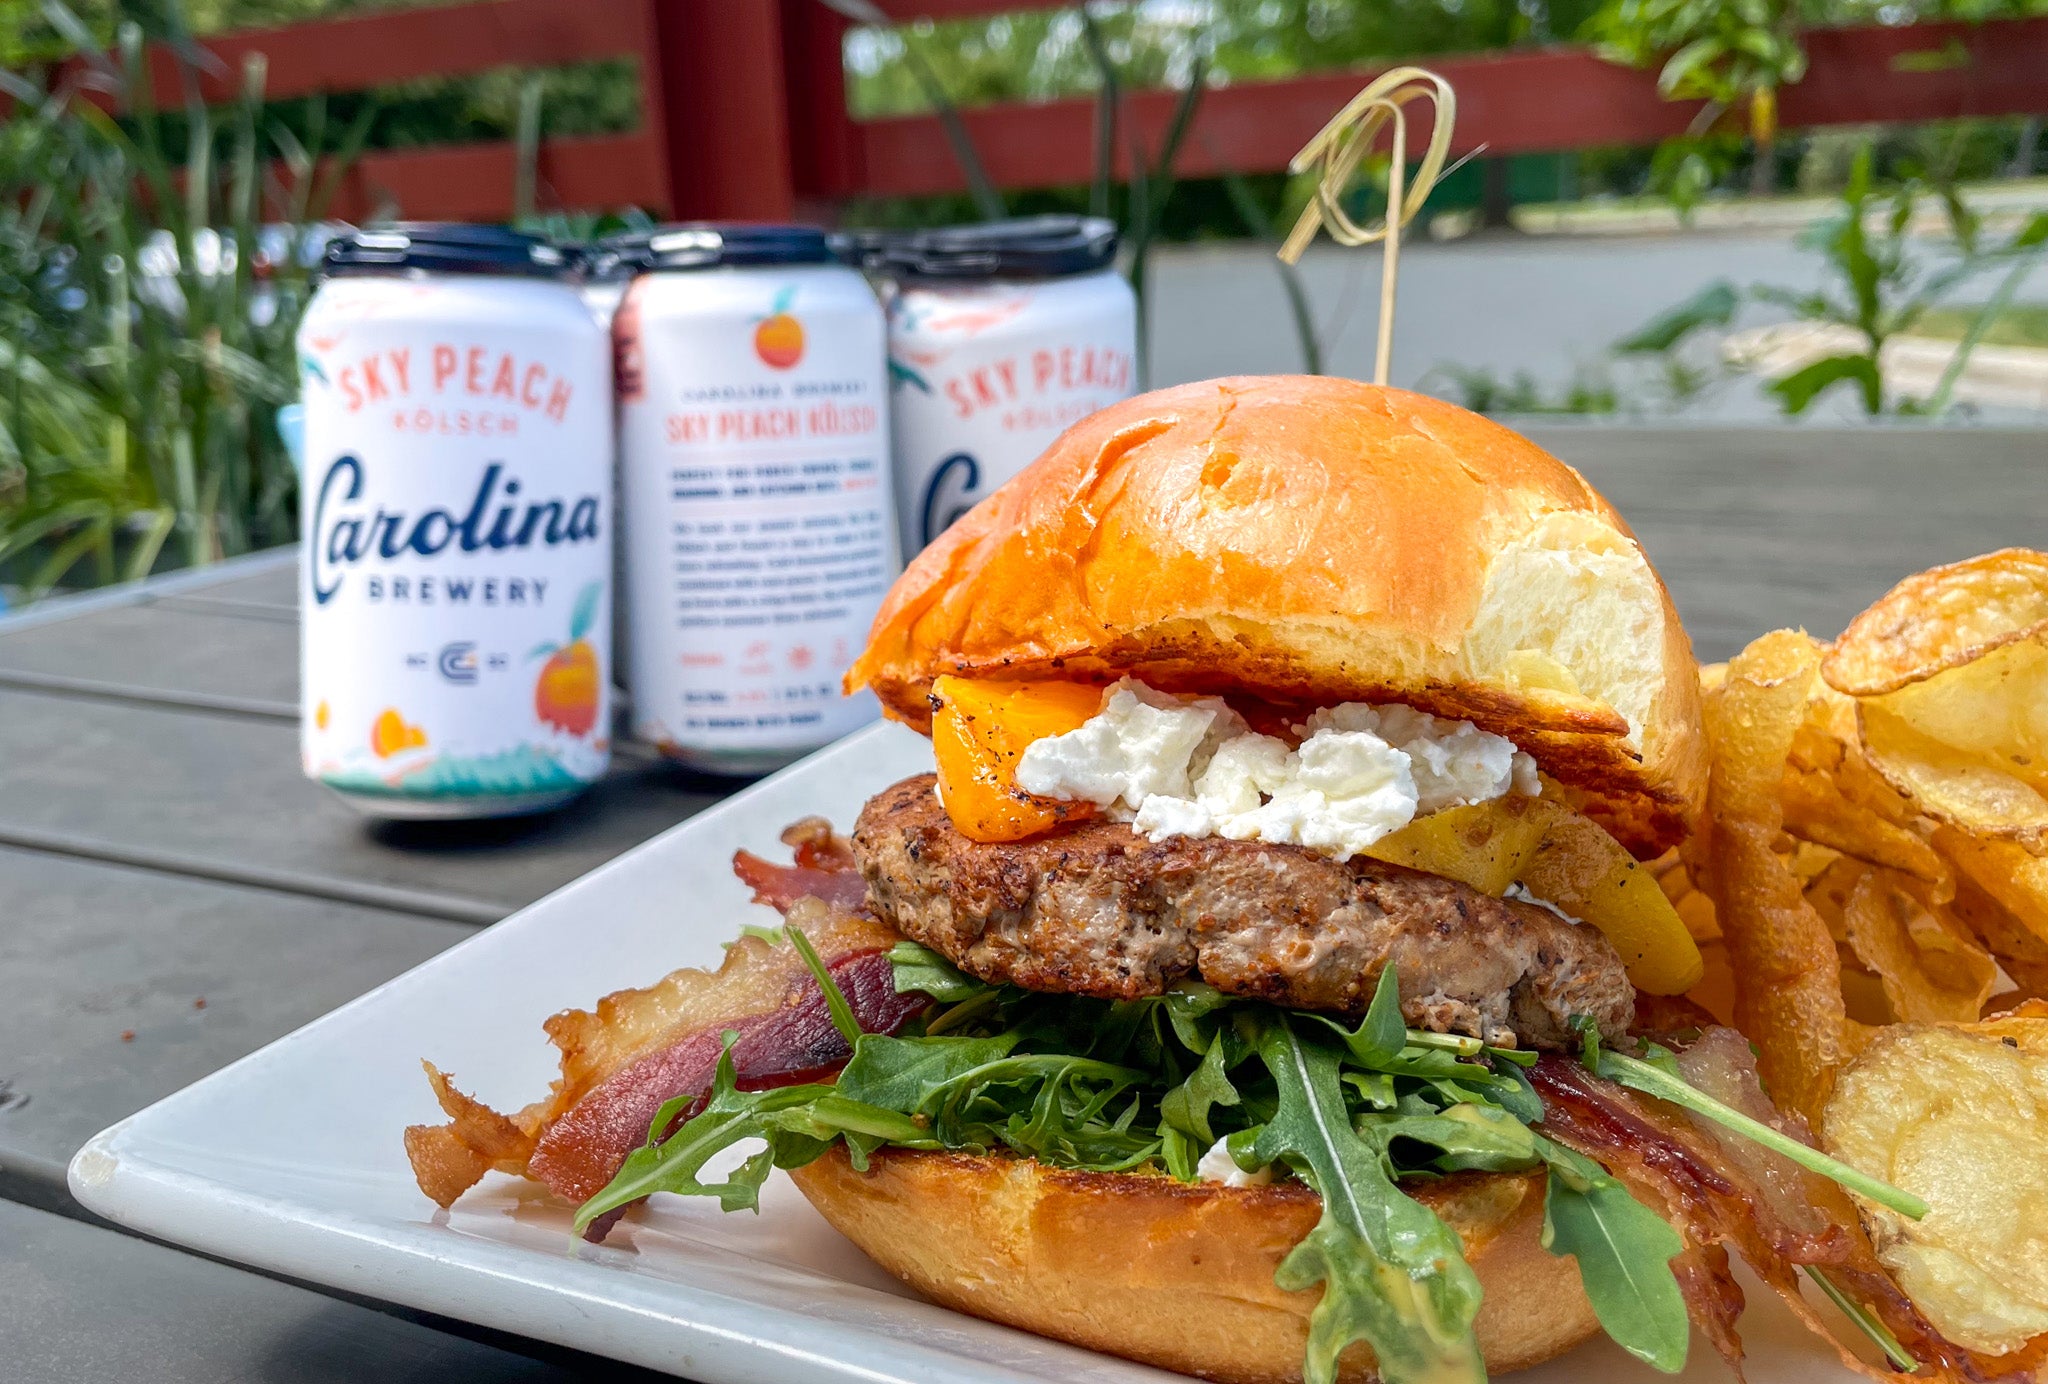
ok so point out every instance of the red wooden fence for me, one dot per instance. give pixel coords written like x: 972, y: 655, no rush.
x: 744, y: 103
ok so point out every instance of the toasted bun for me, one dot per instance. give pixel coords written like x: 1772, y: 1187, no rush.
x: 1313, y: 541
x: 1168, y: 1274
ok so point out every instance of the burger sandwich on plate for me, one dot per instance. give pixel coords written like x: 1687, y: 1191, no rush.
x: 1265, y: 983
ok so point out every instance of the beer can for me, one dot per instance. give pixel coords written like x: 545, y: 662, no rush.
x: 455, y: 625
x: 1001, y: 336
x: 753, y: 476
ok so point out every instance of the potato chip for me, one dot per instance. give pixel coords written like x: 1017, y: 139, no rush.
x: 1932, y: 970
x: 1788, y: 993
x: 1828, y: 892
x: 2022, y: 955
x: 1953, y: 787
x: 2016, y: 880
x: 1833, y: 796
x: 1957, y: 1115
x: 1940, y: 619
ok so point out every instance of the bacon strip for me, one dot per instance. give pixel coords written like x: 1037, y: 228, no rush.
x: 780, y: 886
x: 581, y: 1152
x: 1723, y: 1197
x: 636, y: 1049
x: 825, y: 869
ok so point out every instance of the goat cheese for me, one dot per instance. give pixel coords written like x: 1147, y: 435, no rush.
x: 1173, y: 766
x: 1218, y: 1166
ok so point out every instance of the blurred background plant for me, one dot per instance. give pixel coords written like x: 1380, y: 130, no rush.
x: 153, y: 265
x: 153, y: 262
x: 1732, y: 55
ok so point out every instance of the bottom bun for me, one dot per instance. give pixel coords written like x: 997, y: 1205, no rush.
x: 1170, y: 1274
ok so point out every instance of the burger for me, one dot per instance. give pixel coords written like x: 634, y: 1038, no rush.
x: 1265, y: 982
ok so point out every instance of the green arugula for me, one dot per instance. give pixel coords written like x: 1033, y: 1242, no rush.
x: 1658, y: 1076
x: 1392, y: 1273
x: 1624, y: 1253
x: 1156, y: 1083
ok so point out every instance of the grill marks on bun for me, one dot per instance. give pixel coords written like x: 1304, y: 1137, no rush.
x: 1318, y: 541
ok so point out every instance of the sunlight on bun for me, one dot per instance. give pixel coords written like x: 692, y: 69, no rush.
x: 1318, y: 541
x: 1172, y: 1274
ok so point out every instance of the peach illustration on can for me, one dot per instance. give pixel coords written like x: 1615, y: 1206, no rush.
x: 565, y: 695
x: 779, y: 337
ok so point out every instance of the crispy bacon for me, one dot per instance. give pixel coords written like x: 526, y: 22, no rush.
x: 1724, y: 1194
x: 622, y: 1060
x: 824, y: 869
x: 582, y: 1151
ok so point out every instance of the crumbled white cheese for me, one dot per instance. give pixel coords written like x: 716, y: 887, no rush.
x: 1520, y: 891
x: 1454, y: 762
x: 1218, y: 1166
x: 1137, y: 747
x: 1191, y: 767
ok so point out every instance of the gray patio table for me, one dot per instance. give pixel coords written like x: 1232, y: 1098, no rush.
x: 158, y: 846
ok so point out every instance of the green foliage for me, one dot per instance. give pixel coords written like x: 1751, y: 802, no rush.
x: 1391, y: 1272
x: 1091, y: 1084
x: 1712, y: 306
x: 1724, y: 53
x: 1886, y: 280
x: 1043, y: 55
x: 1588, y: 392
x: 1719, y: 51
x: 1883, y: 284
x: 149, y: 312
x: 1623, y: 1251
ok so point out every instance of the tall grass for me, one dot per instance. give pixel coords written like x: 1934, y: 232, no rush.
x: 153, y: 268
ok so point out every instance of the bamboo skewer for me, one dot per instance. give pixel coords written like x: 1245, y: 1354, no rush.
x: 1340, y: 146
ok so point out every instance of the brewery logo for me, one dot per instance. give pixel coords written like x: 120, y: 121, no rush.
x: 457, y: 662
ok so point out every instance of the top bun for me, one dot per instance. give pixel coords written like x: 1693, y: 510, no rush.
x: 1310, y: 541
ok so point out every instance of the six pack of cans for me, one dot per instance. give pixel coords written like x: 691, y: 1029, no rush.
x: 772, y: 447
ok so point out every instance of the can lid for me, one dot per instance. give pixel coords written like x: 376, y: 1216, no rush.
x: 1029, y: 247
x: 864, y: 247
x: 449, y: 247
x: 711, y: 244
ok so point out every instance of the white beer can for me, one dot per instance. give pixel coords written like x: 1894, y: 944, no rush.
x: 455, y: 649
x: 753, y: 477
x: 1001, y: 337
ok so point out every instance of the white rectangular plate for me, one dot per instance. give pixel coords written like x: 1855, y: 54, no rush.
x: 290, y: 1159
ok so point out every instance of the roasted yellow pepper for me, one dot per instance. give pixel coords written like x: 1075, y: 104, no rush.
x: 979, y: 731
x: 1566, y: 859
x: 1485, y: 845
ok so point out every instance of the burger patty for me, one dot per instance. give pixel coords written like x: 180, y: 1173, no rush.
x: 1099, y: 910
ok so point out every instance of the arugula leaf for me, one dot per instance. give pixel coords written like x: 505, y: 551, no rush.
x: 1392, y: 1273
x: 1381, y: 1034
x: 835, y: 1000
x: 1476, y: 1138
x: 787, y: 1117
x: 961, y: 1014
x: 1866, y: 1321
x: 921, y: 968
x: 1513, y: 1092
x: 1377, y: 1088
x: 1653, y: 1079
x: 1624, y: 1252
x: 902, y: 1073
x: 1186, y: 1106
x: 1589, y: 1035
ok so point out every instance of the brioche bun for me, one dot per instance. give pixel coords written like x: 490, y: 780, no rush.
x: 1170, y: 1274
x: 1310, y: 541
